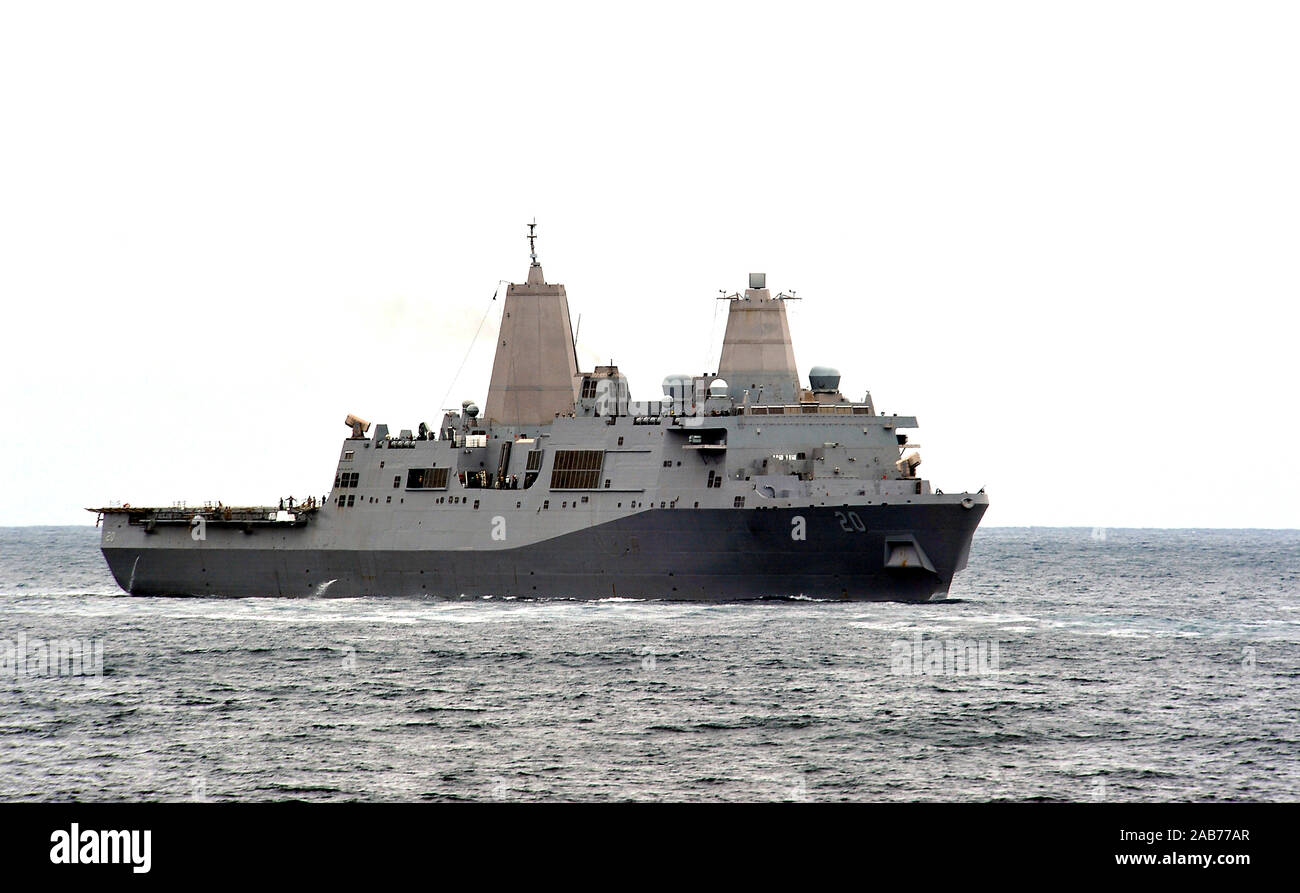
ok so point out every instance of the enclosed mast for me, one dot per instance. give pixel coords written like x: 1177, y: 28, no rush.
x: 536, y: 364
x: 757, y: 355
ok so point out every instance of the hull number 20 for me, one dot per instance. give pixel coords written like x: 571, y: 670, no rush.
x: 850, y: 522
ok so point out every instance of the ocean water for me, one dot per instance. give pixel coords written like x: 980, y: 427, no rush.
x: 1069, y: 664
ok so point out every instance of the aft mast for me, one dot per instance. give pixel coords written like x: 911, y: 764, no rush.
x: 757, y: 355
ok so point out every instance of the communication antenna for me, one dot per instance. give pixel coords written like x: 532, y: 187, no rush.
x: 532, y: 240
x: 472, y: 341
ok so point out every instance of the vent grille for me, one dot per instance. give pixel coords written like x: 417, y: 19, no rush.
x: 577, y: 469
x: 426, y: 479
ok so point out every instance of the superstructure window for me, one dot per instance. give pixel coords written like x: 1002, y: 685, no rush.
x: 347, y: 479
x: 533, y: 468
x: 426, y: 478
x: 577, y: 469
x: 589, y: 388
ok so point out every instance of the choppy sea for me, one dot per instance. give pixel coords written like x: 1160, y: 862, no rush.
x: 1068, y: 664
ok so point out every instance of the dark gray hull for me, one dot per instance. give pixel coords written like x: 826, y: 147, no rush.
x: 690, y: 555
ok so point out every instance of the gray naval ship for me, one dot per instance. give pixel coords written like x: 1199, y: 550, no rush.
x: 740, y: 484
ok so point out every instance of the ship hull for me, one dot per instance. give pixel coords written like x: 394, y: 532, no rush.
x: 850, y: 552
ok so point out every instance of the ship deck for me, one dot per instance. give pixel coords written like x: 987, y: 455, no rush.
x: 245, y: 516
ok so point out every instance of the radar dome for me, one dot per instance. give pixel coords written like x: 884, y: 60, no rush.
x: 472, y: 411
x: 676, y: 385
x: 824, y: 378
x: 718, y: 388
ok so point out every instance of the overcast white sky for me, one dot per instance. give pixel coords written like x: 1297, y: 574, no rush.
x: 1064, y: 236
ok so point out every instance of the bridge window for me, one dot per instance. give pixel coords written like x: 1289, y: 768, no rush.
x: 577, y: 469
